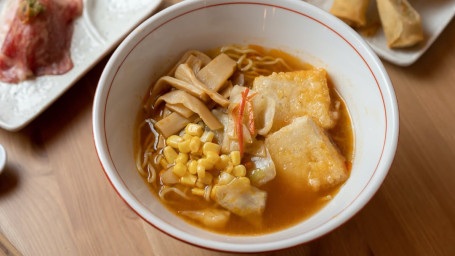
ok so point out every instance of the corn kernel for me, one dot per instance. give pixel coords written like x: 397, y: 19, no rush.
x: 198, y: 191
x: 235, y: 157
x: 184, y: 146
x: 213, y: 192
x: 225, y: 178
x: 200, y: 171
x: 205, y: 163
x: 199, y: 184
x: 199, y: 152
x: 244, y: 180
x: 223, y: 162
x: 194, y: 129
x: 239, y: 170
x: 163, y: 163
x: 169, y: 154
x: 179, y: 169
x: 187, y: 137
x: 207, y: 136
x: 173, y: 141
x: 225, y: 158
x: 194, y: 157
x: 182, y: 158
x: 220, y: 165
x: 212, y: 157
x: 188, y: 179
x: 195, y: 144
x: 192, y: 167
x: 229, y: 168
x: 207, y: 179
x: 210, y: 146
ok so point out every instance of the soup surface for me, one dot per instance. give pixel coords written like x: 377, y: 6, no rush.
x: 282, y: 119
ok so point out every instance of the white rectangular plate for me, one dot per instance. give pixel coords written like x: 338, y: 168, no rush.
x: 435, y: 16
x: 100, y: 28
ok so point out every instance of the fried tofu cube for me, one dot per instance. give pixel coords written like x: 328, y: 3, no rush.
x: 297, y: 94
x: 304, y: 156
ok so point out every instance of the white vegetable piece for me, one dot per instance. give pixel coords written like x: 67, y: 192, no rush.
x: 241, y: 198
x: 214, y: 218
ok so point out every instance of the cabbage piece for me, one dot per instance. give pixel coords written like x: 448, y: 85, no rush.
x: 264, y: 113
x: 241, y: 198
x: 263, y: 108
x: 213, y: 218
x: 256, y: 148
x: 227, y: 137
x: 236, y: 95
x: 223, y: 118
x: 168, y: 177
x: 230, y: 139
x: 265, y: 169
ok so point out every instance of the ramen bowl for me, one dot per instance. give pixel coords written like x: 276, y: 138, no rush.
x: 295, y: 27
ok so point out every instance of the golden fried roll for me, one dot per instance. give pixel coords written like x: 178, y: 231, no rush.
x: 353, y: 12
x: 401, y: 23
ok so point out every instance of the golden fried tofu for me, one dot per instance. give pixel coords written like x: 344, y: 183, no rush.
x: 297, y: 94
x: 305, y: 157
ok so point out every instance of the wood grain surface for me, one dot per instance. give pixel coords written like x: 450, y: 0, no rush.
x: 56, y: 200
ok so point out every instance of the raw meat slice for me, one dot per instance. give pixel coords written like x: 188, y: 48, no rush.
x: 38, y: 38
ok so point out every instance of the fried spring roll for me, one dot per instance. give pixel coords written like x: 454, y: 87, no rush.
x: 353, y: 12
x: 401, y: 23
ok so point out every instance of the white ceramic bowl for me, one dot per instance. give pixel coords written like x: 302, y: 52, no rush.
x: 293, y: 26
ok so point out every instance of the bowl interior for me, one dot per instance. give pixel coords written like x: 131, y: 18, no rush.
x: 292, y: 26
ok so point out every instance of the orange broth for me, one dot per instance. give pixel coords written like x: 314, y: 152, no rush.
x: 284, y: 207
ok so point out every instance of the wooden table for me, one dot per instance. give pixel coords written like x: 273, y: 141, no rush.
x: 56, y: 200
